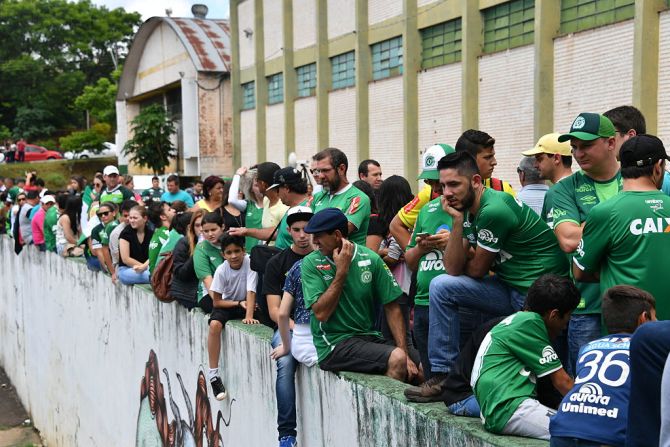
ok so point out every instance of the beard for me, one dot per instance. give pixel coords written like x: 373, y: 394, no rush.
x: 468, y: 200
x: 333, y: 186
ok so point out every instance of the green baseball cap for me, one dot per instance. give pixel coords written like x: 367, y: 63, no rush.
x: 588, y: 127
x: 430, y: 158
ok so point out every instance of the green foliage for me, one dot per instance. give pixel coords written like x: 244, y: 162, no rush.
x: 151, y: 146
x: 49, y: 143
x: 5, y: 133
x: 91, y: 139
x: 99, y: 101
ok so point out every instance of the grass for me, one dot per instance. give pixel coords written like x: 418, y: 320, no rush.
x: 57, y: 173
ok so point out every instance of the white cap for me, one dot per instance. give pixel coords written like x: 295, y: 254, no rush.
x: 111, y: 169
x: 48, y: 199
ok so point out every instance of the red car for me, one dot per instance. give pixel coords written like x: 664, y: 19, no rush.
x: 39, y: 153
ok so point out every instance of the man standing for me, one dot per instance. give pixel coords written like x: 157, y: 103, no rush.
x: 553, y: 160
x: 114, y: 191
x: 331, y: 169
x: 154, y: 193
x: 196, y: 191
x: 292, y: 190
x: 533, y: 188
x: 506, y: 236
x: 340, y: 282
x: 32, y: 200
x: 481, y: 146
x: 174, y: 193
x: 37, y: 224
x: 21, y: 150
x: 593, y: 146
x: 370, y: 171
x: 625, y: 238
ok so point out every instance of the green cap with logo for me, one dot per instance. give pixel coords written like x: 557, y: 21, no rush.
x: 430, y: 158
x: 589, y: 127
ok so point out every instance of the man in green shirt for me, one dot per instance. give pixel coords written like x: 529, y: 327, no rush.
x: 50, y: 221
x: 114, y: 192
x: 506, y: 236
x: 516, y: 352
x: 340, y: 283
x: 160, y: 214
x: 331, y: 170
x: 593, y: 145
x: 292, y: 190
x: 626, y: 238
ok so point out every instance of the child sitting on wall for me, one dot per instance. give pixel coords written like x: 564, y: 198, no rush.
x: 233, y: 292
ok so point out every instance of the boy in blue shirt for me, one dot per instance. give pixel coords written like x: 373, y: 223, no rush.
x: 595, y: 411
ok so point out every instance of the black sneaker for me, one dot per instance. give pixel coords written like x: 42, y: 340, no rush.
x: 218, y: 388
x: 429, y: 391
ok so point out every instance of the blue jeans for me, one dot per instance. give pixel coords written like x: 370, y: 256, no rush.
x: 450, y: 293
x: 421, y: 322
x: 562, y: 441
x: 93, y: 264
x: 468, y: 407
x: 129, y: 276
x: 582, y: 329
x: 285, y: 390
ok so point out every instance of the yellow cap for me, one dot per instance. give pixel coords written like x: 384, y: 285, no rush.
x: 548, y: 144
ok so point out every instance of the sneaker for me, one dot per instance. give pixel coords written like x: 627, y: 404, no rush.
x: 218, y: 388
x: 288, y: 441
x: 430, y: 391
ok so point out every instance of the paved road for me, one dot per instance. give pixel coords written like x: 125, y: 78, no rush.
x: 13, y: 432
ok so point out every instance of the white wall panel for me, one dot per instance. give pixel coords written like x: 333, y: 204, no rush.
x: 248, y: 137
x: 342, y: 130
x: 272, y: 28
x: 274, y: 125
x: 245, y: 13
x: 380, y: 10
x: 305, y: 128
x: 664, y: 81
x: 304, y: 23
x: 386, y: 125
x: 341, y: 17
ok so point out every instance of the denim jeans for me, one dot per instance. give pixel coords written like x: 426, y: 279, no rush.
x: 93, y: 264
x: 128, y: 276
x: 421, y: 322
x: 582, y: 329
x: 285, y: 390
x: 468, y: 407
x: 562, y: 441
x: 448, y: 294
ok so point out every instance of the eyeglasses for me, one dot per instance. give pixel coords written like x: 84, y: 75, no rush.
x: 103, y: 213
x: 320, y: 171
x: 21, y: 199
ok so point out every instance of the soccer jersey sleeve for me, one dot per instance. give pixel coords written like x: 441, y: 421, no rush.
x: 358, y: 210
x: 530, y: 344
x: 201, y: 263
x: 313, y: 285
x: 96, y: 239
x: 494, y: 223
x: 410, y: 212
x: 508, y: 189
x: 564, y: 207
x: 385, y: 285
x: 595, y: 239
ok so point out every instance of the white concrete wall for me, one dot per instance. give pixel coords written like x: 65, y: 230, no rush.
x: 380, y: 10
x: 664, y: 80
x: 341, y: 17
x: 342, y: 126
x: 386, y: 125
x: 248, y: 138
x: 506, y: 106
x: 274, y: 142
x: 272, y: 28
x: 245, y: 12
x: 163, y: 58
x: 304, y: 23
x: 593, y: 72
x: 305, y: 129
x: 77, y: 349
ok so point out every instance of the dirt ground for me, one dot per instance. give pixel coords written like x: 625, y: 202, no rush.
x: 16, y: 429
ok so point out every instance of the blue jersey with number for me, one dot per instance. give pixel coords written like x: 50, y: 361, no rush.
x: 596, y: 409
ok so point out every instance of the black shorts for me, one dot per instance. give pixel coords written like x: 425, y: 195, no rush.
x: 362, y: 353
x: 224, y: 315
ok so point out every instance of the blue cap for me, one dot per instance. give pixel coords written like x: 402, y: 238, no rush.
x: 327, y: 219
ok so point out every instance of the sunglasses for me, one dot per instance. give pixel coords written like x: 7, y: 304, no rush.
x: 21, y: 199
x: 97, y: 185
x: 103, y: 213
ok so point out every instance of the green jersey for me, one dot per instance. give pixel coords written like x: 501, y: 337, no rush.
x: 369, y: 279
x: 432, y: 218
x: 116, y: 195
x: 626, y: 239
x: 172, y: 239
x: 573, y: 199
x: 284, y: 239
x: 96, y: 236
x: 157, y: 240
x: 104, y: 236
x: 253, y: 219
x: 511, y: 357
x: 206, y: 258
x: 354, y: 203
x: 526, y: 248
x: 50, y: 221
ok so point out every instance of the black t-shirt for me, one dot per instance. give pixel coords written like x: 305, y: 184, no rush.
x: 139, y: 252
x: 276, y: 270
x: 376, y: 227
x: 230, y: 220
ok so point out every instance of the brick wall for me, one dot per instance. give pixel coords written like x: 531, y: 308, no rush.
x: 245, y: 13
x: 341, y: 17
x: 304, y: 23
x: 248, y: 140
x: 305, y: 129
x: 274, y: 118
x: 664, y: 80
x: 272, y: 28
x: 342, y: 130
x: 386, y: 125
x: 215, y: 128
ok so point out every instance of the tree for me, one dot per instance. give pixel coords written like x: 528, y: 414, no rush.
x: 91, y: 139
x: 150, y: 145
x: 99, y: 101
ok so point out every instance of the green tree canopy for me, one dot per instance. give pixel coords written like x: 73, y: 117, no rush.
x: 150, y: 145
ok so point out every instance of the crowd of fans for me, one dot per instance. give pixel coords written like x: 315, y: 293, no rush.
x: 532, y: 310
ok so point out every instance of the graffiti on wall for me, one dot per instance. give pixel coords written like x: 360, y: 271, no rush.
x: 187, y: 429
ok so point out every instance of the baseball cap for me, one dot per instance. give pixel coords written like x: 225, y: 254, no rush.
x: 48, y: 199
x: 642, y: 150
x: 266, y: 171
x: 430, y: 158
x: 110, y: 169
x: 286, y: 176
x: 328, y: 219
x: 588, y: 127
x: 549, y: 144
x: 298, y: 213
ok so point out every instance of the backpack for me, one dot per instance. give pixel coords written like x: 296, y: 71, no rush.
x: 161, y: 278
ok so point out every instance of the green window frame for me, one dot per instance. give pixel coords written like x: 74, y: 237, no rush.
x: 275, y: 88
x: 343, y: 70
x: 248, y: 95
x: 306, y: 80
x: 441, y: 44
x: 580, y: 15
x: 387, y: 58
x: 509, y: 25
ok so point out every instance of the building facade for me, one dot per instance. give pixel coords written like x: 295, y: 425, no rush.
x: 385, y: 79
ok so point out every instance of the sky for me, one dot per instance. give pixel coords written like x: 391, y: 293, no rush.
x: 218, y: 9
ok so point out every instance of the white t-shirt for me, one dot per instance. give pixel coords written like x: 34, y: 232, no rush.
x: 234, y: 284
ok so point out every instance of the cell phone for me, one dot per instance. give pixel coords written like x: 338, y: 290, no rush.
x: 422, y: 235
